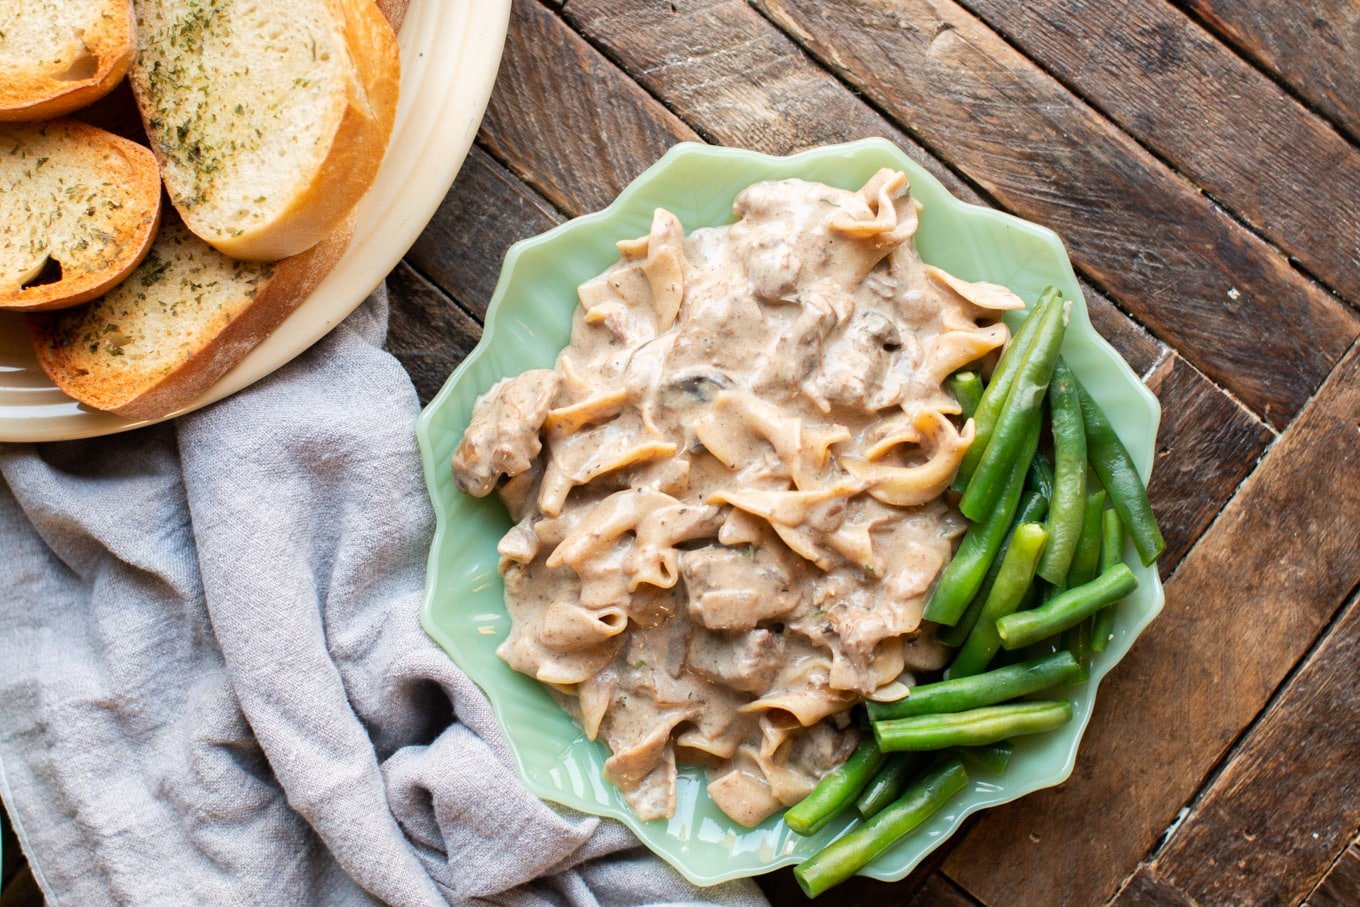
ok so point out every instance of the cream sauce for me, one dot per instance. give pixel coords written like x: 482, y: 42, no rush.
x: 729, y: 491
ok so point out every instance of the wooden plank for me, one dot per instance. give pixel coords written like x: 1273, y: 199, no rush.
x: 742, y: 82
x: 486, y: 210
x: 1182, y: 93
x: 937, y: 891
x: 1312, y: 46
x: 22, y: 890
x: 552, y: 82
x: 1341, y: 887
x: 1228, y: 301
x: 1272, y: 822
x: 1146, y: 890
x: 1245, y: 605
x: 1207, y: 445
x: 739, y: 81
x: 427, y: 331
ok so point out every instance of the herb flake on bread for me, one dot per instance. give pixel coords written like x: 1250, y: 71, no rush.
x: 269, y: 119
x: 188, y: 314
x: 79, y: 208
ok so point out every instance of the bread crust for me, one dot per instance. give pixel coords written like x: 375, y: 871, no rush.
x: 356, y: 149
x: 112, y: 44
x: 128, y: 395
x: 141, y: 200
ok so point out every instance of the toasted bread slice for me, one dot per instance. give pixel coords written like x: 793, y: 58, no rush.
x: 57, y: 56
x: 78, y: 210
x: 186, y: 316
x: 269, y: 119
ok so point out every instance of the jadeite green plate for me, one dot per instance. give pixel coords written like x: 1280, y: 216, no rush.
x: 529, y: 321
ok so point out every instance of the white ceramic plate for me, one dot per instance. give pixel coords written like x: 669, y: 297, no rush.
x: 450, y: 50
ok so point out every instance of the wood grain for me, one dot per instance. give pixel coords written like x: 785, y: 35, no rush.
x: 1270, y: 825
x: 1341, y: 887
x: 22, y: 890
x: 1228, y: 301
x: 552, y: 83
x: 1312, y: 46
x: 427, y: 332
x: 1146, y: 890
x: 1247, y: 602
x: 488, y: 209
x: 1177, y: 90
x: 739, y: 81
x: 1206, y: 446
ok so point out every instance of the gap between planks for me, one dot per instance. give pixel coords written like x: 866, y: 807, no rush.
x: 1340, y: 887
x: 1200, y: 10
x: 1232, y: 804
x: 1189, y: 102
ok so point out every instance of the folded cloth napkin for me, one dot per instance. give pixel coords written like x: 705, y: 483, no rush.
x: 214, y: 688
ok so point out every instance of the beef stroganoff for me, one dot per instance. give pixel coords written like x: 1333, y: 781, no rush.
x: 728, y: 492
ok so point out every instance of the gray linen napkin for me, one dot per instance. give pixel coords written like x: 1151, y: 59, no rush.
x: 213, y: 685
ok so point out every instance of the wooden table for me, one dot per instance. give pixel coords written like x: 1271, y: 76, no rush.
x: 1200, y: 160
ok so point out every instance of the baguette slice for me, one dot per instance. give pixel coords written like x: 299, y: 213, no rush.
x: 269, y: 119
x: 78, y: 210
x: 57, y: 56
x: 186, y: 316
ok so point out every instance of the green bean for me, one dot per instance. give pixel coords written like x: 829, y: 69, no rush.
x: 1040, y: 477
x: 994, y: 397
x: 971, y: 692
x: 1086, y: 558
x: 1032, y: 508
x: 851, y: 852
x: 1111, y: 553
x: 1066, y: 609
x: 1077, y: 640
x: 975, y: 727
x: 963, y: 575
x: 1111, y: 540
x: 1024, y: 404
x: 967, y: 389
x: 1114, y: 466
x: 1085, y: 567
x: 1012, y: 582
x: 836, y: 790
x: 1069, y: 480
x: 991, y: 759
x: 888, y: 784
